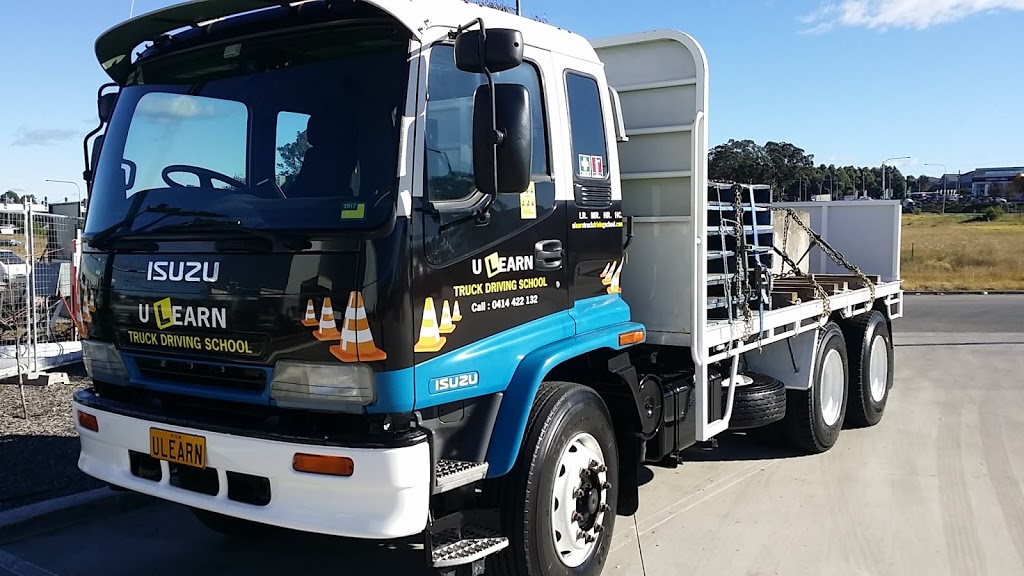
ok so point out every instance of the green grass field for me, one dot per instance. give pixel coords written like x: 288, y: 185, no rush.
x: 945, y: 252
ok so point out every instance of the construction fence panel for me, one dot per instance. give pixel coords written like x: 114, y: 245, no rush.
x: 38, y: 328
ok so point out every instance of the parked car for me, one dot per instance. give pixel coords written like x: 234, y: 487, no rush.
x: 12, y: 267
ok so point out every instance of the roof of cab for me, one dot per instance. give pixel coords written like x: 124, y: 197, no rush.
x: 114, y: 47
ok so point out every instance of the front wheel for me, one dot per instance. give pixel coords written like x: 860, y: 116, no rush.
x: 558, y: 502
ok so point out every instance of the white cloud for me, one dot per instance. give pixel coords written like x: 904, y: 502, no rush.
x: 884, y: 14
x: 175, y: 106
x: 42, y: 136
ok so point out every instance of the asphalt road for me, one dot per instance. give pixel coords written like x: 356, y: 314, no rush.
x: 936, y: 488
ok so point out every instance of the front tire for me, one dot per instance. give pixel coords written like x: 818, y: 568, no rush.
x: 558, y: 502
x: 815, y: 417
x: 871, y: 368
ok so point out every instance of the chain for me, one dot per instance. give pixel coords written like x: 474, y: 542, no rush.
x: 832, y: 253
x: 742, y: 272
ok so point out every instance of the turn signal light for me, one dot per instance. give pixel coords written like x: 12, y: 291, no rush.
x: 88, y: 421
x: 317, y: 464
x: 632, y: 337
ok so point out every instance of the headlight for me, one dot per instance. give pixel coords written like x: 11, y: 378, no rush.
x: 103, y: 362
x: 322, y: 386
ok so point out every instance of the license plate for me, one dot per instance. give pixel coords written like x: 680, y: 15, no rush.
x: 176, y: 447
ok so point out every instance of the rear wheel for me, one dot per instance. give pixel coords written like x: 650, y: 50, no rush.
x: 815, y: 417
x: 871, y: 367
x: 559, y: 500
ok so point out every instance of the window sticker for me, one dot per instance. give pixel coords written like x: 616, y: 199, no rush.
x: 528, y: 203
x: 586, y: 167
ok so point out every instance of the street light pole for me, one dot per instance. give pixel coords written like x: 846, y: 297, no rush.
x: 70, y: 182
x: 943, y: 183
x: 885, y: 195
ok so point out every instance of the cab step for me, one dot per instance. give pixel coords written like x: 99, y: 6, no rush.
x: 452, y: 474
x: 457, y: 544
x: 466, y: 546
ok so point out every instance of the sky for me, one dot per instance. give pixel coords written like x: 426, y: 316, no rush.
x: 850, y: 81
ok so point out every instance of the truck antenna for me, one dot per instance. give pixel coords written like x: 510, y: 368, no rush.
x: 131, y: 10
x: 519, y: 7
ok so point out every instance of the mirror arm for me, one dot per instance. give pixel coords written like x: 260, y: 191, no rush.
x: 484, y: 213
x: 87, y: 174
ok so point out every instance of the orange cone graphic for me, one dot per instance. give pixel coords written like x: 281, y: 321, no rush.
x: 614, y: 287
x: 328, y: 329
x: 446, y: 319
x: 356, y: 339
x: 310, y: 319
x: 456, y: 314
x: 430, y: 336
x: 607, y: 278
x: 606, y: 270
x: 92, y: 303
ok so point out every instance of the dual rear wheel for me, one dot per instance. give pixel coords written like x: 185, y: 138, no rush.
x: 853, y: 372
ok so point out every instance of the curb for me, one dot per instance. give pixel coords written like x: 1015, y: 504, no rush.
x: 962, y: 292
x: 50, y: 515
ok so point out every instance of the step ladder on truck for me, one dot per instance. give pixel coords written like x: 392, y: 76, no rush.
x: 384, y: 268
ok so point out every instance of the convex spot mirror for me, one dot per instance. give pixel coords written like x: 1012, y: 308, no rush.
x: 502, y: 50
x: 105, y: 106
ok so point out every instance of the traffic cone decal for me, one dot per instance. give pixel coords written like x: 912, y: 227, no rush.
x: 310, y: 319
x: 607, y: 278
x: 446, y: 326
x: 92, y: 303
x: 456, y: 314
x: 328, y: 329
x: 430, y: 336
x: 606, y: 268
x: 614, y: 287
x: 356, y: 339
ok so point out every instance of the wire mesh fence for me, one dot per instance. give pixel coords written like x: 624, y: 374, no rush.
x: 37, y: 320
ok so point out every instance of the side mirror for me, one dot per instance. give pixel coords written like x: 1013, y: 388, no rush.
x: 513, y: 137
x: 105, y: 106
x: 501, y: 49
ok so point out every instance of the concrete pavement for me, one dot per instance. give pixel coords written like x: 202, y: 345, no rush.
x: 936, y: 488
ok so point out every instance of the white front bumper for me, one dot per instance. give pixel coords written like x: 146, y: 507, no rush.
x: 387, y: 496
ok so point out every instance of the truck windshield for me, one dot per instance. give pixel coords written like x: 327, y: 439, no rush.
x: 294, y: 133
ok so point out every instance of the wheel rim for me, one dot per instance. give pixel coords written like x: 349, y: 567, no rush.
x: 879, y: 369
x: 830, y: 389
x: 579, y: 500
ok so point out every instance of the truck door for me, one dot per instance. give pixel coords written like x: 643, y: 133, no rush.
x: 595, y: 230
x: 484, y: 294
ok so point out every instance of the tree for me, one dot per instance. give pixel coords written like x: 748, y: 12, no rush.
x: 785, y: 164
x: 1017, y: 186
x: 510, y: 8
x: 739, y: 161
x: 292, y: 154
x: 11, y: 197
x: 924, y: 183
x: 28, y: 199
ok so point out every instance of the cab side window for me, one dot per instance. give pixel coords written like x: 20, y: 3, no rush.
x: 448, y: 162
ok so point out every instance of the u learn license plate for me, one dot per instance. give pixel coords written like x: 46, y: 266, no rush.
x: 176, y: 447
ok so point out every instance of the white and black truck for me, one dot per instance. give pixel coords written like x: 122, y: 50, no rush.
x: 384, y: 268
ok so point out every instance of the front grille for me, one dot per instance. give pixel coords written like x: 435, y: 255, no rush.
x: 239, y: 378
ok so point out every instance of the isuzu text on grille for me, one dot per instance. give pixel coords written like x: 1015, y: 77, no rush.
x: 163, y: 271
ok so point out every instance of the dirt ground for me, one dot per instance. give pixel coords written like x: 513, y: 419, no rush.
x: 39, y: 456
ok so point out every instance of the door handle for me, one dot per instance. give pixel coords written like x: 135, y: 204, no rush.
x: 548, y: 255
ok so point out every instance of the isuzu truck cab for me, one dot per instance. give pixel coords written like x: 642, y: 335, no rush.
x: 384, y: 268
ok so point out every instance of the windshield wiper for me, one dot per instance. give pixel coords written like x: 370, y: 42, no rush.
x: 289, y: 241
x: 103, y: 238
